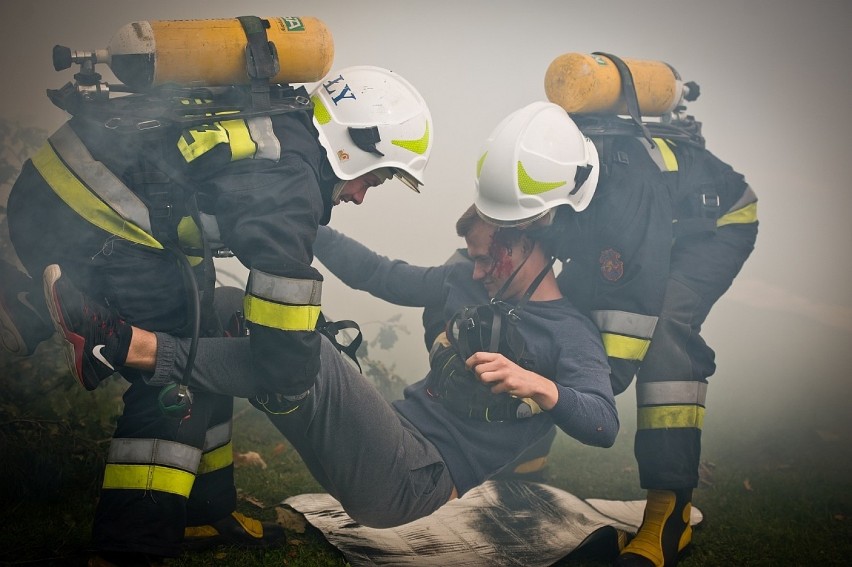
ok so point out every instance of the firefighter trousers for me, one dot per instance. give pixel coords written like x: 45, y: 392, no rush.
x: 671, y: 383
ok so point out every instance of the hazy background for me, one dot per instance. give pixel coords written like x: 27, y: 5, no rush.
x: 775, y: 84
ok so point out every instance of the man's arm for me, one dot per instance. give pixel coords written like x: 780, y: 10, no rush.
x: 585, y: 410
x: 394, y: 281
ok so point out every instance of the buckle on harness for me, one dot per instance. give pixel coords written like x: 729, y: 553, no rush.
x: 161, y: 211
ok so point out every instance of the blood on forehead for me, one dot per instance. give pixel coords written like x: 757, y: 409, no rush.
x: 502, y: 256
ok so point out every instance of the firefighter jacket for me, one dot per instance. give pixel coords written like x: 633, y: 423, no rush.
x: 620, y: 246
x: 258, y: 186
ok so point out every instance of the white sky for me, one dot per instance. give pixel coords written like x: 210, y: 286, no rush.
x: 775, y: 82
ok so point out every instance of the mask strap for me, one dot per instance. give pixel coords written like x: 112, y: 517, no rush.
x: 499, y: 295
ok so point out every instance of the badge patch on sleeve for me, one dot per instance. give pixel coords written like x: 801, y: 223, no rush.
x: 612, y: 267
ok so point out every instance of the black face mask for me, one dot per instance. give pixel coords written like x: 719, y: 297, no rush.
x: 493, y: 327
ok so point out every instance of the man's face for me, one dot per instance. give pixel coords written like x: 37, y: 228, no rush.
x: 355, y: 190
x: 494, y: 262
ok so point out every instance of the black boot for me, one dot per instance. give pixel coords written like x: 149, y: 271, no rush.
x: 665, y: 531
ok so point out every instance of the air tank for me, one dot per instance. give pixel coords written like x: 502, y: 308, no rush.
x: 590, y: 84
x: 211, y: 52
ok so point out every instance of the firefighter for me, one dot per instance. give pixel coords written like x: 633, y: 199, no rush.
x: 655, y: 231
x: 131, y: 216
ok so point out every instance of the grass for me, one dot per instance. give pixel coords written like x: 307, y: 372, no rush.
x: 773, y: 492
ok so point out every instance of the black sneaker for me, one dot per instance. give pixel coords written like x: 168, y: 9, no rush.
x: 236, y: 530
x: 96, y: 338
x: 22, y: 328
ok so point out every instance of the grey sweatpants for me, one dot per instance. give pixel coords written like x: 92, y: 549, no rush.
x: 367, y: 456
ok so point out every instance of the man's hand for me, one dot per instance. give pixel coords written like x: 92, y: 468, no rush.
x: 504, y: 376
x: 461, y: 391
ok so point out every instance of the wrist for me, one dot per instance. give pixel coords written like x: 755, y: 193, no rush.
x: 547, y: 394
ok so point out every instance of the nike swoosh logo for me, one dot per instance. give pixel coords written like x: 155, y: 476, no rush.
x: 99, y: 355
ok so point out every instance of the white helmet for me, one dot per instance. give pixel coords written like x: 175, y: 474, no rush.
x: 370, y: 118
x: 535, y: 160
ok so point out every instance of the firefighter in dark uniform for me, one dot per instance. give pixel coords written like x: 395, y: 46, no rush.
x: 667, y: 231
x: 131, y: 214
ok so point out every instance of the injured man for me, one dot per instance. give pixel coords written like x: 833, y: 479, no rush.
x: 516, y: 359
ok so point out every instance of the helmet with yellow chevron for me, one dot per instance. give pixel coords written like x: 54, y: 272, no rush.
x: 534, y: 160
x: 370, y: 118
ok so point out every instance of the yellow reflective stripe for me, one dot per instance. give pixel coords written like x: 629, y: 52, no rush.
x: 198, y: 141
x: 321, y: 113
x: 479, y: 164
x: 417, y: 145
x: 242, y: 146
x: 745, y: 215
x: 217, y: 459
x: 628, y: 348
x: 79, y: 198
x: 670, y: 417
x: 201, y: 140
x: 148, y: 477
x: 531, y: 186
x: 278, y: 316
x: 190, y: 236
x: 669, y: 158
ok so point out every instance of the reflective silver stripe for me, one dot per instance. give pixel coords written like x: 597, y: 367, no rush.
x: 217, y: 436
x: 210, y: 227
x: 748, y: 197
x: 99, y: 179
x: 262, y: 134
x: 624, y: 323
x: 669, y: 393
x: 154, y: 451
x: 284, y: 290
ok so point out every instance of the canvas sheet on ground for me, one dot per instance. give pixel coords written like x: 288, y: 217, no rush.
x: 501, y: 523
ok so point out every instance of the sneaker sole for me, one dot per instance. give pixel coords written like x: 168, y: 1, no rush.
x: 72, y: 343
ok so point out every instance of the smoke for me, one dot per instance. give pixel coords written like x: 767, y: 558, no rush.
x: 763, y: 295
x: 773, y: 104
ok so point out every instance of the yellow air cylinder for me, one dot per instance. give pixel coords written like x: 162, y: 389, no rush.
x: 212, y: 52
x: 590, y: 84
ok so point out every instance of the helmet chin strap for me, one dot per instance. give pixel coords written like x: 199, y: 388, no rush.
x: 498, y: 297
x: 497, y: 312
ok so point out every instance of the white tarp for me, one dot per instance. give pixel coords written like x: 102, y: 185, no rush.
x: 501, y: 523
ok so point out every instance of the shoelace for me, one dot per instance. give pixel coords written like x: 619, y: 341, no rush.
x: 105, y: 325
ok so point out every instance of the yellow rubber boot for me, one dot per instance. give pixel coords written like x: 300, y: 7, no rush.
x: 665, y: 531
x: 237, y: 530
